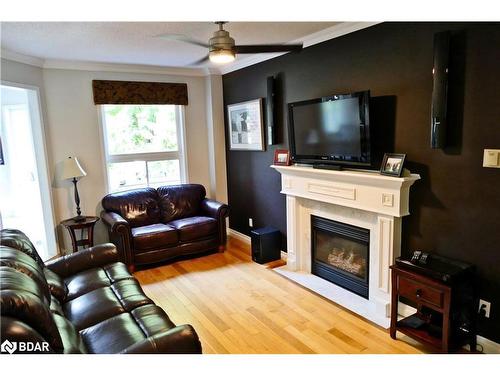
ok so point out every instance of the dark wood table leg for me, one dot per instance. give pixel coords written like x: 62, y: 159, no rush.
x: 394, y: 304
x: 73, y: 239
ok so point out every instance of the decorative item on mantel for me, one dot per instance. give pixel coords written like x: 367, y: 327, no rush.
x: 392, y: 165
x: 72, y: 170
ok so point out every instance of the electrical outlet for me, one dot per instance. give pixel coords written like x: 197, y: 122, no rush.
x: 250, y: 222
x: 486, y: 308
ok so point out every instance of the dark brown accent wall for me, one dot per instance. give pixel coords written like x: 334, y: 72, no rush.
x: 455, y: 208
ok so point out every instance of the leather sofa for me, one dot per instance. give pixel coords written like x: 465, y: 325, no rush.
x: 86, y: 302
x: 153, y: 225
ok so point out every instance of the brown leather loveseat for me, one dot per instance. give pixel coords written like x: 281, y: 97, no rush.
x: 153, y: 225
x: 86, y: 302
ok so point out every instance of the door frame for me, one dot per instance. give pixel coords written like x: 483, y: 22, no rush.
x: 42, y: 158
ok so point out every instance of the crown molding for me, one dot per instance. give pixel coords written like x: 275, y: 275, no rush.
x: 121, y: 68
x: 21, y: 58
x: 309, y: 40
x: 336, y: 31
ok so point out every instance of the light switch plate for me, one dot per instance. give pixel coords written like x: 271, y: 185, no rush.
x: 491, y: 158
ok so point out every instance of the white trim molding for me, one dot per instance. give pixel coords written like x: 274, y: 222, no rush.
x: 342, y: 28
x: 333, y: 32
x: 239, y: 236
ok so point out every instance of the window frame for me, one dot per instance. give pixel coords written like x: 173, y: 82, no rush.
x: 180, y: 154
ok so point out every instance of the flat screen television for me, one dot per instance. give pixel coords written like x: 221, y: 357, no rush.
x: 333, y: 130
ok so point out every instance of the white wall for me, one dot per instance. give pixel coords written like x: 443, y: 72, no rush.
x: 72, y: 129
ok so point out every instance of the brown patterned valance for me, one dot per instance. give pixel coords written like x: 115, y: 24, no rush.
x: 132, y: 92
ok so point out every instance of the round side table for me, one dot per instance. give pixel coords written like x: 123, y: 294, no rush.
x: 86, y: 225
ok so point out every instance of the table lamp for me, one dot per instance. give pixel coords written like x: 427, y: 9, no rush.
x: 72, y: 170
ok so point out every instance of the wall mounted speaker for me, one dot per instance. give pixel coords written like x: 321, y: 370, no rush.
x: 440, y: 89
x: 270, y: 110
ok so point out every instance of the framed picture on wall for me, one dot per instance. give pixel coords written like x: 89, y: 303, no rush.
x: 246, y: 126
x: 392, y: 165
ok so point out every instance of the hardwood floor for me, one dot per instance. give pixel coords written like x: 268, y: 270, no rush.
x: 238, y: 306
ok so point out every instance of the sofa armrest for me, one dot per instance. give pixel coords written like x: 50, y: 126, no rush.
x: 119, y: 234
x: 218, y: 211
x: 215, y: 209
x: 114, y: 220
x: 85, y: 259
x: 178, y: 340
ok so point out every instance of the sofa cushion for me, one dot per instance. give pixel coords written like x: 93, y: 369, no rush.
x: 17, y: 260
x: 139, y: 207
x: 180, y: 201
x: 93, y: 307
x: 18, y: 240
x: 112, y: 335
x: 56, y: 285
x: 94, y: 278
x: 71, y: 339
x: 194, y: 228
x: 154, y: 236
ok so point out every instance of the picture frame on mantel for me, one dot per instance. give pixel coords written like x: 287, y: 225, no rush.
x: 246, y: 126
x: 282, y: 157
x: 392, y: 165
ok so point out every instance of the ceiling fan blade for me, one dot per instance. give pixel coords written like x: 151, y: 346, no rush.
x: 181, y: 38
x: 268, y: 48
x: 200, y: 61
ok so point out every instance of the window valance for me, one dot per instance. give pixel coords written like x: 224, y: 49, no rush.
x: 134, y: 92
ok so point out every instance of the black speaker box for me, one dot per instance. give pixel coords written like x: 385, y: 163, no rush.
x: 440, y: 89
x: 270, y: 111
x: 266, y: 245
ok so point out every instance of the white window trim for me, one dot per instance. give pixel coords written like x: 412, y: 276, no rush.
x: 180, y: 154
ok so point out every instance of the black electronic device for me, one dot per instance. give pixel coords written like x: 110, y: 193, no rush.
x: 266, y: 245
x: 333, y: 130
x: 440, y: 89
x: 270, y: 111
x: 438, y: 267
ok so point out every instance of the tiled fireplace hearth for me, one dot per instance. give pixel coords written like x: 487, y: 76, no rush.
x: 370, y: 203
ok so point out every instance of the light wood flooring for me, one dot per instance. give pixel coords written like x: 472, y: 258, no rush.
x: 238, y: 306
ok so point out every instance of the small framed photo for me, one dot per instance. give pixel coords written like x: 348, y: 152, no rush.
x: 246, y: 126
x: 281, y: 157
x: 392, y: 165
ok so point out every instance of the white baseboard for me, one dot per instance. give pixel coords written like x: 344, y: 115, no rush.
x: 238, y: 235
x: 489, y: 347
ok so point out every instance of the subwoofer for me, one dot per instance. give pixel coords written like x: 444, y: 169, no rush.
x: 266, y: 245
x: 440, y: 89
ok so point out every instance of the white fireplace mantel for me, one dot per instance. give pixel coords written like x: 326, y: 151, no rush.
x: 360, y: 198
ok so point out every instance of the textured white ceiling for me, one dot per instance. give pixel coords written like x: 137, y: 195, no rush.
x: 134, y: 42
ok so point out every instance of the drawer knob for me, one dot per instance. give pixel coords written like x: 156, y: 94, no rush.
x: 419, y: 293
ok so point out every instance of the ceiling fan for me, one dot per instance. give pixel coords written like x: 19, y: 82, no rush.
x: 222, y: 50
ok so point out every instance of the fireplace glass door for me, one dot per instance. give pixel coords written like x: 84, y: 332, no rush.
x: 340, y: 254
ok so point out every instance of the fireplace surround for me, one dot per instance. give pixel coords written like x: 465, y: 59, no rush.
x: 361, y: 199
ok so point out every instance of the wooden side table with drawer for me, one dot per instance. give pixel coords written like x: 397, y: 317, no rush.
x: 445, y: 317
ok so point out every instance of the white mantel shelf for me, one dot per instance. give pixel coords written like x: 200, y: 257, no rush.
x: 364, y: 199
x: 366, y: 190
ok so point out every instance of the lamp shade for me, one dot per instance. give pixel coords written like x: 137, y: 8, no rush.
x: 72, y: 169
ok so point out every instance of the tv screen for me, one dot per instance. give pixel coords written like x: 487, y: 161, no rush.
x: 333, y: 130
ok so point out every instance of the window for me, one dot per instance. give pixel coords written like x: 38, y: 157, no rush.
x: 143, y: 145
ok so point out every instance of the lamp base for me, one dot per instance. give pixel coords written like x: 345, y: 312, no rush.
x: 79, y: 218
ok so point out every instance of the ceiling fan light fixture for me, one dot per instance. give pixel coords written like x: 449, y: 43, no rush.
x: 222, y: 56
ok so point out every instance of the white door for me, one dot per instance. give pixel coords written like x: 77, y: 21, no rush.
x: 25, y: 201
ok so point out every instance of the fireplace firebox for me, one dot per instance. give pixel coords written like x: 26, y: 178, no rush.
x: 340, y: 254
